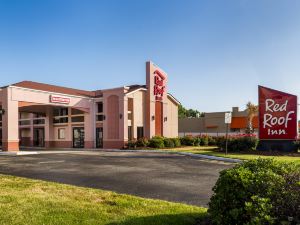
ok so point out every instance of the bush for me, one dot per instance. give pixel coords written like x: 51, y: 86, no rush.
x: 187, y: 141
x: 197, y: 141
x: 176, y: 142
x: 204, y: 140
x: 297, y: 144
x: 132, y: 144
x: 168, y: 143
x: 142, y: 142
x: 212, y: 141
x: 156, y: 142
x: 261, y: 191
x: 245, y: 143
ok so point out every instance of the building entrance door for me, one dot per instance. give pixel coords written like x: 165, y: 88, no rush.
x: 38, y: 137
x: 99, y: 137
x: 78, y: 137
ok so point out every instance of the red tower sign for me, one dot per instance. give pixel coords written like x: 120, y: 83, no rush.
x: 159, y: 85
x: 277, y: 115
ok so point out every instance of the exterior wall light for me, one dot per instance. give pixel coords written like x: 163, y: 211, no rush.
x: 165, y: 119
x: 104, y: 117
x: 153, y: 118
x: 2, y: 111
x: 121, y: 116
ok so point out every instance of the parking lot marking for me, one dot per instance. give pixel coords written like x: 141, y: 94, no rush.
x: 61, y: 161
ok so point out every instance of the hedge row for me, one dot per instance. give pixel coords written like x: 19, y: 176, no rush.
x: 244, y: 143
x: 155, y: 142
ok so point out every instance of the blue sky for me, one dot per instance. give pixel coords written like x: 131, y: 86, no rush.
x: 215, y: 52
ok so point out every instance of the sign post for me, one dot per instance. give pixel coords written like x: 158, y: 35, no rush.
x: 227, y: 121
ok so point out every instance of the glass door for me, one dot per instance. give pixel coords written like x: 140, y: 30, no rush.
x: 99, y: 137
x: 78, y: 137
x: 39, y: 137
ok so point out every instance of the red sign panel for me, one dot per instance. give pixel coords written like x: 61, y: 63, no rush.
x: 277, y: 115
x: 159, y: 85
x: 59, y: 99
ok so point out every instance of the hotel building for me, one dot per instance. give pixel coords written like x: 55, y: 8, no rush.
x: 42, y: 115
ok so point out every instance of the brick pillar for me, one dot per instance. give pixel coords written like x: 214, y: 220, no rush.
x: 10, y: 122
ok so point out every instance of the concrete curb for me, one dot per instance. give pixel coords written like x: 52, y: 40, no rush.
x: 18, y: 153
x: 210, y: 157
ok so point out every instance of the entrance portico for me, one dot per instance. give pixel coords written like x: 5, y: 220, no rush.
x: 43, y: 123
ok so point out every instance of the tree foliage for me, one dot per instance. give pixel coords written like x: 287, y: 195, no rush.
x: 188, y: 113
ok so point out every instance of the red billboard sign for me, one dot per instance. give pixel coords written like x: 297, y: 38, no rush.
x: 159, y: 85
x: 277, y: 115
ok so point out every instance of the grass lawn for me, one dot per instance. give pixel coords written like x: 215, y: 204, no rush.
x: 34, y: 202
x: 245, y: 156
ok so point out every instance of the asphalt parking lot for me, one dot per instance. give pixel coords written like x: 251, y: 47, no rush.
x: 163, y: 176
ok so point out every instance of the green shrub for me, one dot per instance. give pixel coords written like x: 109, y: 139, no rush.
x: 261, y: 191
x: 238, y: 144
x: 204, y: 140
x: 176, y: 142
x: 197, y: 141
x: 142, y: 142
x: 132, y: 144
x: 156, y: 142
x: 168, y: 143
x: 297, y: 144
x: 187, y: 140
x: 212, y: 141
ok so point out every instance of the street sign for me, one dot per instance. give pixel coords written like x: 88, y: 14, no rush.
x: 228, y: 117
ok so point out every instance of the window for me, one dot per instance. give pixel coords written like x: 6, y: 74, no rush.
x: 60, y: 112
x: 77, y: 119
x: 76, y: 111
x: 100, y: 117
x: 61, y: 133
x: 24, y: 122
x: 100, y: 107
x: 129, y: 133
x: 61, y: 120
x: 140, y: 132
x: 39, y: 121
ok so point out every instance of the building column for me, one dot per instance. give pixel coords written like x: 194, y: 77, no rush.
x: 10, y: 122
x: 31, y: 116
x: 90, y: 127
x: 49, y: 128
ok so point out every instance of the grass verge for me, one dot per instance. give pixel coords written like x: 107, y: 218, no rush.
x: 34, y: 202
x: 287, y: 157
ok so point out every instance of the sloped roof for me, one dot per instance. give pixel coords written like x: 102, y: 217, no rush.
x: 54, y: 88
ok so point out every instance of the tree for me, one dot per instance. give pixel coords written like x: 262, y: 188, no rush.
x: 188, y: 113
x: 252, y: 111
